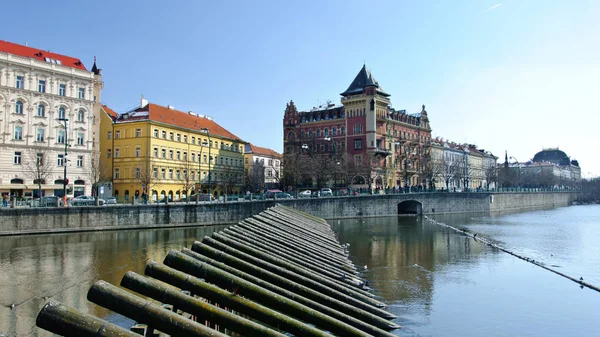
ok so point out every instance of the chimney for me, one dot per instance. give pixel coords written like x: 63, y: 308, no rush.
x: 143, y: 102
x: 171, y: 107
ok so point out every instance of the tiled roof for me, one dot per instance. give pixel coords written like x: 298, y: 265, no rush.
x: 264, y: 151
x: 110, y: 111
x: 40, y: 55
x: 161, y: 114
x: 362, y: 80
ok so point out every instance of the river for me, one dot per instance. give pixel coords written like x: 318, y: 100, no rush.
x: 438, y: 282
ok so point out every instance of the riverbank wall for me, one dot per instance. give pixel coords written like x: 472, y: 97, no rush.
x: 17, y: 221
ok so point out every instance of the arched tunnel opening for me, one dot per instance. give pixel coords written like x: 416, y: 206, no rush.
x: 410, y: 207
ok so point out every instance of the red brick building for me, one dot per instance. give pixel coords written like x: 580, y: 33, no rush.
x: 363, y: 142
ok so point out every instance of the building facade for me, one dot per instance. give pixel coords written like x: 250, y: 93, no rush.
x: 163, y: 152
x: 363, y: 142
x: 263, y: 168
x: 549, y: 168
x: 49, y: 121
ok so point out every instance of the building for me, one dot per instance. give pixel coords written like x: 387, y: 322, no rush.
x: 549, y: 168
x: 263, y: 168
x: 49, y: 119
x: 160, y: 151
x: 363, y: 142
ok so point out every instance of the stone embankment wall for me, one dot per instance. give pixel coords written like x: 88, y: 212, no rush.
x: 43, y: 220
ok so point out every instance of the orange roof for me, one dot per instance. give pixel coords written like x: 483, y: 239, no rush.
x: 110, y: 112
x: 161, y: 114
x: 40, y: 55
x: 264, y: 151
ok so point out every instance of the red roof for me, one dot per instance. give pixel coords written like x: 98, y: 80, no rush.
x: 110, y: 112
x: 161, y: 114
x: 40, y: 55
x: 264, y: 151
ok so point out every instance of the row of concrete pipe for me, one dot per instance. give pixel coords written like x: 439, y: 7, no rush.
x: 279, y: 273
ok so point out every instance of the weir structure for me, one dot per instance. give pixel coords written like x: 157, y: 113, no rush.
x: 279, y: 273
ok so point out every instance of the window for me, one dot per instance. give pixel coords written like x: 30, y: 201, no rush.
x: 178, y: 175
x: 39, y: 159
x: 118, y: 134
x: 155, y: 133
x: 80, y: 138
x: 17, y: 158
x: 358, y: 144
x: 39, y: 137
x: 19, y: 107
x: 137, y: 151
x: 170, y: 173
x: 138, y: 133
x: 193, y: 140
x: 117, y: 153
x: 109, y: 135
x: 185, y: 139
x: 164, y: 134
x: 193, y: 157
x: 193, y: 177
x: 205, y: 159
x: 357, y: 128
x: 326, y: 132
x: 61, y: 113
x: 358, y: 160
x: 108, y: 153
x: 170, y: 154
x: 185, y: 156
x: 178, y: 155
x: 343, y: 130
x: 155, y: 173
x: 80, y: 115
x: 61, y: 160
x: 163, y: 153
x: 334, y: 131
x: 42, y: 86
x: 81, y: 93
x: 18, y: 133
x: 41, y: 111
x: 19, y: 82
x: 156, y: 152
x: 178, y: 137
x: 79, y: 161
x: 62, y: 89
x: 163, y: 173
x: 116, y: 173
x: 170, y: 135
x: 137, y: 173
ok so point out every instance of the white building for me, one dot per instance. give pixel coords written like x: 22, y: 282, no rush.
x: 258, y: 159
x: 38, y: 91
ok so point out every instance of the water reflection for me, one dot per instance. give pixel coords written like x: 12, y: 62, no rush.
x: 64, y: 266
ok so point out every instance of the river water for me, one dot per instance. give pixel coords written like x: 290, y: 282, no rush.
x: 438, y: 282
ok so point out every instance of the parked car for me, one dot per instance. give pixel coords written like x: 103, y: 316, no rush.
x: 305, y: 194
x: 254, y: 197
x: 110, y: 201
x: 50, y: 201
x: 85, y: 200
x: 326, y: 192
x: 316, y: 194
x: 202, y: 197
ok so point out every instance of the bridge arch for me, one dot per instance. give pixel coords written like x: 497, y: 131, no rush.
x: 410, y: 207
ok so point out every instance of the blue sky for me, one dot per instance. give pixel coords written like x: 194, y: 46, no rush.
x: 514, y: 75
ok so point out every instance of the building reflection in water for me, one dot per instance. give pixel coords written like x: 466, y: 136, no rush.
x: 64, y: 266
x: 403, y: 254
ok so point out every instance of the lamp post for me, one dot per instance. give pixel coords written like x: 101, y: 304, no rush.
x: 65, y: 120
x: 328, y: 139
x: 205, y: 130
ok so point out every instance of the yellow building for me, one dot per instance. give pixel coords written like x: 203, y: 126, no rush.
x: 160, y: 151
x: 476, y: 170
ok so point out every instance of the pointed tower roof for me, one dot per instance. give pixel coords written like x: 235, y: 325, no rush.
x: 95, y: 69
x: 362, y: 80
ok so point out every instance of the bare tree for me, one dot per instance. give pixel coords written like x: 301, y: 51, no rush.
x: 432, y: 169
x: 147, y: 177
x: 491, y: 175
x: 254, y: 177
x: 187, y: 183
x: 229, y: 177
x: 37, y: 165
x: 97, y: 173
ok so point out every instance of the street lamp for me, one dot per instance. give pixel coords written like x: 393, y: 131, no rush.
x: 205, y: 130
x: 334, y: 149
x: 65, y: 181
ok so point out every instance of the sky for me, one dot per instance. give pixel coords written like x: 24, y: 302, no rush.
x: 514, y: 75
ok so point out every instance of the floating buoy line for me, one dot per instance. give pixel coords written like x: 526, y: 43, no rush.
x: 485, y: 241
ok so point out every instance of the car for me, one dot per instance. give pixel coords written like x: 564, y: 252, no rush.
x: 304, y: 194
x: 202, y: 197
x: 326, y: 192
x: 85, y: 200
x: 110, y: 201
x: 316, y: 194
x: 50, y: 201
